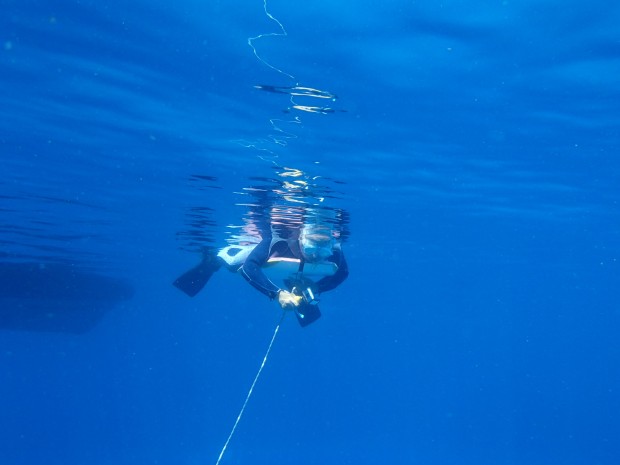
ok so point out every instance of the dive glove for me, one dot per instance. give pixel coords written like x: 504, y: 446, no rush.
x: 288, y: 300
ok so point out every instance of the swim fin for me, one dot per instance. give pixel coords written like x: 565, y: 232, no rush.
x: 307, y: 313
x: 192, y: 281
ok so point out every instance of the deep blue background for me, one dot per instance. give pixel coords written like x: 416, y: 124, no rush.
x: 479, y: 152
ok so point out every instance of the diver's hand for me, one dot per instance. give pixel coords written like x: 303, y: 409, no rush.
x: 288, y: 300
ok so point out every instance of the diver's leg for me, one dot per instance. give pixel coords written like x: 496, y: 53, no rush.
x: 192, y: 281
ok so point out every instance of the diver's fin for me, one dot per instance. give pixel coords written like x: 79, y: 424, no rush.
x: 307, y: 314
x: 192, y: 281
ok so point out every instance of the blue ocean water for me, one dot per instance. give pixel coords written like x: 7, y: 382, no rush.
x: 472, y: 150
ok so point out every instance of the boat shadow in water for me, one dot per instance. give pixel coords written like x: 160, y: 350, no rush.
x: 56, y: 297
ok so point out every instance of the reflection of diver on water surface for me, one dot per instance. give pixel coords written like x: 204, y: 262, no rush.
x: 289, y: 253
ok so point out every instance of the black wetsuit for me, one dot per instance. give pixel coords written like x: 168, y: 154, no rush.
x: 253, y: 273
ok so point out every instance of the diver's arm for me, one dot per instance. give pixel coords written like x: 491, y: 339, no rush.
x: 252, y: 269
x: 331, y: 282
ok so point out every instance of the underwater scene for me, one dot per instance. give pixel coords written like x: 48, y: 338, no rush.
x: 327, y: 232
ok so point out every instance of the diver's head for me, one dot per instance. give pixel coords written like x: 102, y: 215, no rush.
x: 316, y: 244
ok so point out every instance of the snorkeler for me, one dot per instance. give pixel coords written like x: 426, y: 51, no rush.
x: 294, y: 270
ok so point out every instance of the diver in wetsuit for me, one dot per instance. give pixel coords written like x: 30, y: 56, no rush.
x: 294, y: 270
x: 327, y: 268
